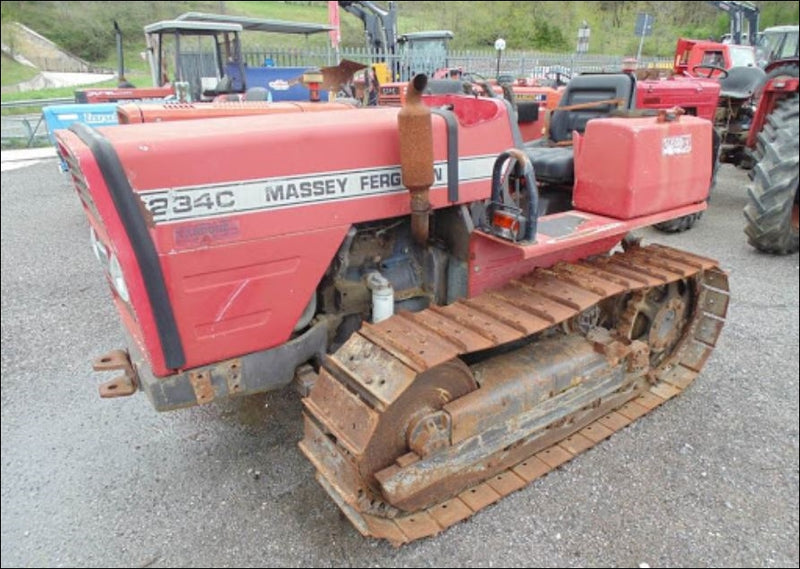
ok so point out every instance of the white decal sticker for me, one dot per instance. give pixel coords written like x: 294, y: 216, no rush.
x: 100, y: 118
x: 279, y: 85
x: 176, y: 204
x: 674, y: 145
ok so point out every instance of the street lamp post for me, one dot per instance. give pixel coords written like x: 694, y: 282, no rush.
x: 583, y: 38
x: 499, y: 45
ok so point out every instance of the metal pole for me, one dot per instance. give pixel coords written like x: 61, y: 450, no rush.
x: 499, y: 45
x: 641, y: 41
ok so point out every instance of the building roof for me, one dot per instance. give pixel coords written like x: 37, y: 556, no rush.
x: 195, y: 28
x: 259, y: 24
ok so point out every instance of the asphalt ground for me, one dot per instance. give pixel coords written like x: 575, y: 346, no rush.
x: 710, y: 479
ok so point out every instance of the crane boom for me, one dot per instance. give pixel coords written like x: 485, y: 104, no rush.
x: 380, y: 25
x: 739, y: 13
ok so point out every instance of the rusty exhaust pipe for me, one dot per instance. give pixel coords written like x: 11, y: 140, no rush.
x: 416, y: 155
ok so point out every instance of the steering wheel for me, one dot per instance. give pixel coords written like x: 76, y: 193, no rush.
x: 472, y: 77
x: 722, y: 72
x: 559, y: 78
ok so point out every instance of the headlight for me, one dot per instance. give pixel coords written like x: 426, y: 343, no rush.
x: 115, y: 271
x: 111, y: 264
x: 99, y: 249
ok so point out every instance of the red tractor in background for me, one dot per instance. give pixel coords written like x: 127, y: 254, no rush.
x: 691, y: 53
x: 452, y: 301
x: 774, y: 141
x: 531, y: 103
x: 131, y: 113
x: 756, y: 123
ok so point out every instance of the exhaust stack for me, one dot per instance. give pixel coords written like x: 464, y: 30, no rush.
x: 416, y: 155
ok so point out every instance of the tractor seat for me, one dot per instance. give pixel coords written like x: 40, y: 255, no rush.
x: 223, y: 87
x: 741, y: 82
x: 555, y: 164
x: 552, y: 164
x: 445, y: 87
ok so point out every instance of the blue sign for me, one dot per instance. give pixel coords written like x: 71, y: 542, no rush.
x: 644, y: 25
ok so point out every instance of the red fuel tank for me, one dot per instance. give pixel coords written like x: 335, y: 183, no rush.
x: 630, y: 167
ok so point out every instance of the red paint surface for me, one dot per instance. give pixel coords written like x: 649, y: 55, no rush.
x: 622, y: 170
x: 241, y: 286
x: 126, y: 94
x: 238, y: 283
x: 695, y: 95
x: 163, y: 112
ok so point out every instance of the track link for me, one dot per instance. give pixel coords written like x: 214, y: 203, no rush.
x: 359, y: 383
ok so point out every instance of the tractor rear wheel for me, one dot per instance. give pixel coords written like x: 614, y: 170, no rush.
x: 680, y: 224
x: 772, y: 212
x: 787, y: 71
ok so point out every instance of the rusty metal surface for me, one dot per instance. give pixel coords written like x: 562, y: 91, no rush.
x: 429, y: 434
x: 122, y: 385
x: 432, y: 479
x: 377, y: 375
x: 113, y: 360
x: 203, y: 388
x: 561, y: 291
x: 415, y: 126
x: 342, y: 412
x: 450, y: 512
x: 233, y: 376
x: 597, y: 432
x: 576, y: 444
x: 467, y: 340
x: 516, y: 383
x: 479, y: 323
x: 524, y: 297
x: 418, y: 348
x: 497, y: 306
x: 506, y: 482
x: 579, y: 276
x: 479, y: 497
x: 436, y: 490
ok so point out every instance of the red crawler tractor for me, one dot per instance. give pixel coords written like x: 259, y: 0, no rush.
x: 457, y: 342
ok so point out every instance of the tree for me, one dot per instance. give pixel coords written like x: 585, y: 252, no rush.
x: 616, y: 10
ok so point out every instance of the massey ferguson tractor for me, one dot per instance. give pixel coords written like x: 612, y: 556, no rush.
x: 463, y: 313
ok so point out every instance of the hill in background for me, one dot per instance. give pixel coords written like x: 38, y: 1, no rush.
x: 86, y: 28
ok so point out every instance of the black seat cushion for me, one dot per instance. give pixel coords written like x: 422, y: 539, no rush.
x: 741, y: 82
x: 590, y: 88
x: 445, y: 87
x: 553, y: 165
x: 527, y: 111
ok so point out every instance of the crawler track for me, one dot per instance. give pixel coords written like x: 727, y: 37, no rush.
x: 390, y: 425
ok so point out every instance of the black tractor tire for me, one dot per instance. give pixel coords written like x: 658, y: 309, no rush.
x: 772, y: 211
x: 686, y: 222
x: 788, y: 70
x: 680, y: 224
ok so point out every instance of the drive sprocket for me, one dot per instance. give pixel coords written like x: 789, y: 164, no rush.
x: 658, y: 316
